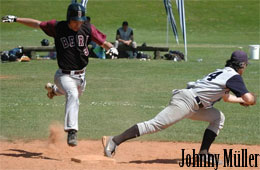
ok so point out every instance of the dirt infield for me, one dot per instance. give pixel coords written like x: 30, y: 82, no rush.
x: 5, y: 77
x: 54, y: 154
x: 43, y: 155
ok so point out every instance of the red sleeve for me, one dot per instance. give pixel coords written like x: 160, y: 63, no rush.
x: 97, y: 36
x: 49, y: 27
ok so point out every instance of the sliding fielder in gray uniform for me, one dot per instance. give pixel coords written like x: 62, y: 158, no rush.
x: 196, y: 103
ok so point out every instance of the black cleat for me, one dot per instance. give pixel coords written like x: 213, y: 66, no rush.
x: 72, y: 138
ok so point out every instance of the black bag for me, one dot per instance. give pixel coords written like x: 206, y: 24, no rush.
x: 174, y: 55
x: 12, y: 55
x: 5, y: 56
x: 15, y: 53
x: 141, y: 55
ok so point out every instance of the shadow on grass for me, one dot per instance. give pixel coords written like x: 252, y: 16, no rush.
x: 157, y: 161
x: 26, y: 154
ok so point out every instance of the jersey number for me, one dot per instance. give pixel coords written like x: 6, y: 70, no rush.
x: 214, y: 75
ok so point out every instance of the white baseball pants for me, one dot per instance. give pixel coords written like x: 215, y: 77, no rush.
x: 72, y: 86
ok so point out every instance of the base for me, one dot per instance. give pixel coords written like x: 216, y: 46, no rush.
x: 93, y: 159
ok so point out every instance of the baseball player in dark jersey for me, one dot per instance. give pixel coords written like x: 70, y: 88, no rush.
x: 71, y: 41
x: 196, y: 103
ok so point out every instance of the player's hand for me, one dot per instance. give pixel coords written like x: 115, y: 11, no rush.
x: 9, y: 18
x: 255, y: 97
x: 128, y: 43
x: 244, y: 104
x: 112, y: 52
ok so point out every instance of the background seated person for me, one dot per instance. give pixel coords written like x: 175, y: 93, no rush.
x: 125, y: 36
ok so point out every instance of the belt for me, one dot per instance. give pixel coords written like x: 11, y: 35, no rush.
x: 199, y: 102
x: 73, y: 72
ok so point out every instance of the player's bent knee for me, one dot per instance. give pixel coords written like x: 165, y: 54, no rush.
x: 116, y: 44
x: 222, y: 118
x: 219, y: 121
x: 134, y: 45
x: 218, y: 124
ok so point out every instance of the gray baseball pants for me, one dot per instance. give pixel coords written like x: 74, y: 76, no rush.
x: 72, y: 86
x: 183, y: 105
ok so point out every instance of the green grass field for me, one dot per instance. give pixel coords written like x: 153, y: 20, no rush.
x: 123, y: 92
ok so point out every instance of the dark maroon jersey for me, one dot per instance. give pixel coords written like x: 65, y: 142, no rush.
x: 71, y: 46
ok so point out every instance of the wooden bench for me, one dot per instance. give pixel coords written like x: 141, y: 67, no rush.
x: 30, y: 51
x: 156, y: 50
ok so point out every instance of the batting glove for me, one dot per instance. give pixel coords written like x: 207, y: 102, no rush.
x: 9, y: 18
x: 112, y: 52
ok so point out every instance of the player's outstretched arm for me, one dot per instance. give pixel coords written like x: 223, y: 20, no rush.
x: 232, y: 99
x: 246, y: 100
x: 25, y: 21
x: 107, y: 45
x: 29, y: 22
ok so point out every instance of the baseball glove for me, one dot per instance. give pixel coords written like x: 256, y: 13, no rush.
x: 112, y: 52
x: 9, y: 18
